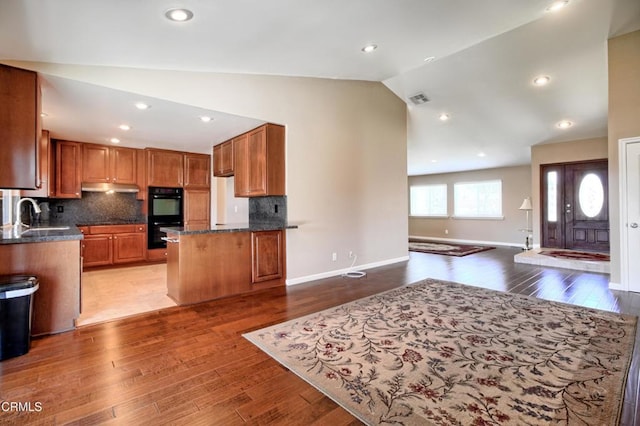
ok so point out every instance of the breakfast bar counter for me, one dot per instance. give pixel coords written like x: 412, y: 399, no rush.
x: 224, y: 260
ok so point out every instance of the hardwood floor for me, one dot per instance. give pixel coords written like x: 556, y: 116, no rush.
x: 190, y: 365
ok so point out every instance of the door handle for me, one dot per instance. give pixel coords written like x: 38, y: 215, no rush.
x: 634, y: 225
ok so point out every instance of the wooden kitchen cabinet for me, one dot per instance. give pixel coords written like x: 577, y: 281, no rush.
x: 197, y: 208
x: 97, y: 250
x: 105, y: 164
x: 105, y: 245
x: 56, y: 304
x: 165, y: 168
x: 223, y: 159
x: 68, y: 169
x: 20, y: 128
x: 267, y: 253
x: 46, y: 186
x: 197, y: 170
x: 259, y: 162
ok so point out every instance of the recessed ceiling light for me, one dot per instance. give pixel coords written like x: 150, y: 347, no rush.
x: 124, y: 127
x: 114, y: 140
x: 541, y: 80
x: 444, y: 116
x: 205, y: 119
x: 430, y: 59
x: 142, y: 105
x: 482, y: 154
x: 179, y: 15
x: 434, y: 161
x: 369, y: 48
x: 564, y: 124
x: 557, y: 5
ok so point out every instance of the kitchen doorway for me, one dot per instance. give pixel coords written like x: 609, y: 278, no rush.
x: 113, y: 293
x: 575, y: 206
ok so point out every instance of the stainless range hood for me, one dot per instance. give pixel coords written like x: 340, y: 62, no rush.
x: 109, y: 187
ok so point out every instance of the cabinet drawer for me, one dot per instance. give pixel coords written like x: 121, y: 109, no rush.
x: 117, y: 229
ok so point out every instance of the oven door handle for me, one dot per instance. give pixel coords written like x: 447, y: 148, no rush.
x: 170, y: 240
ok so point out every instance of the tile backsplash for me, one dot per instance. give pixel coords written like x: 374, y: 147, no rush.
x: 268, y: 210
x: 96, y: 208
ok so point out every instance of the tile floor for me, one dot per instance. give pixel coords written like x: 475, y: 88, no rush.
x: 108, y: 294
x: 533, y: 257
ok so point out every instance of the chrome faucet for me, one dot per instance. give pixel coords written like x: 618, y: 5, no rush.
x: 36, y: 208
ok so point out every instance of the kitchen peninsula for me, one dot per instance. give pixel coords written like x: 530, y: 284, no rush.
x: 223, y: 260
x: 53, y: 255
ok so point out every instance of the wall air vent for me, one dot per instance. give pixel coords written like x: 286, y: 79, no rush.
x: 419, y: 98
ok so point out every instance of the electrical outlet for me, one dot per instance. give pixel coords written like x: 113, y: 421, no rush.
x: 60, y: 209
x: 235, y: 209
x: 446, y: 231
x: 350, y: 254
x: 334, y: 256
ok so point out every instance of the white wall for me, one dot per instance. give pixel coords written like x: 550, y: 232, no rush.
x: 345, y: 146
x: 516, y: 183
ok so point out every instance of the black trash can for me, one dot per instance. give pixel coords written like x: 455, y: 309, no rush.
x: 16, y: 295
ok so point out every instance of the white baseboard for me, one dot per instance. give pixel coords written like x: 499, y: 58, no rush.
x: 484, y: 243
x: 335, y: 273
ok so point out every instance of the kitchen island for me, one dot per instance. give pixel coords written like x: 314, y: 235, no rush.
x: 52, y: 255
x: 223, y: 260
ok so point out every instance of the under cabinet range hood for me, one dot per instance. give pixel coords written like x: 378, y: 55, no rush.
x: 109, y: 187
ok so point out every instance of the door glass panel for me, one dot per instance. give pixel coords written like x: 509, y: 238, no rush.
x: 552, y: 196
x: 591, y: 195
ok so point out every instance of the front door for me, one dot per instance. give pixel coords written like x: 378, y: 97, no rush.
x: 575, y: 207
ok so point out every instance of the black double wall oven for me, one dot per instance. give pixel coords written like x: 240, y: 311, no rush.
x: 166, y: 209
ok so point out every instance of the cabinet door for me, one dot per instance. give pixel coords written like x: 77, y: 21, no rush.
x: 164, y: 168
x: 124, y: 165
x: 46, y: 187
x: 241, y: 165
x: 19, y: 128
x: 129, y: 247
x: 223, y: 159
x: 268, y: 256
x: 96, y: 163
x: 257, y: 152
x: 68, y: 169
x: 97, y: 250
x: 197, y: 208
x: 197, y: 170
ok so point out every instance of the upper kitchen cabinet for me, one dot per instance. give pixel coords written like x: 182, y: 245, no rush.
x: 68, y: 159
x: 46, y: 187
x: 223, y: 159
x: 197, y: 170
x: 165, y: 168
x: 105, y: 164
x: 19, y: 128
x: 259, y: 162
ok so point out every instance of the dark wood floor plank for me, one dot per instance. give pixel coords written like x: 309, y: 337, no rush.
x: 191, y: 365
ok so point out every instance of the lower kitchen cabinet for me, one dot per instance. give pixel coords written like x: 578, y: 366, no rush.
x: 105, y: 245
x: 267, y: 250
x: 209, y: 265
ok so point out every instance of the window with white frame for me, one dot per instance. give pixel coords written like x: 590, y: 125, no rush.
x: 482, y: 199
x: 428, y: 200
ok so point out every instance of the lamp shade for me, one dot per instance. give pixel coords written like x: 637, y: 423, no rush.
x: 526, y: 204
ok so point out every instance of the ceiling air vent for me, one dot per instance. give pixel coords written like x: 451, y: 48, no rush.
x: 419, y: 98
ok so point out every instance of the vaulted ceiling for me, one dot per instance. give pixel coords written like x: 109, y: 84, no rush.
x: 484, y: 55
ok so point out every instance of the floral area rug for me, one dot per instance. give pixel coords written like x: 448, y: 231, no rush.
x: 576, y: 255
x: 441, y: 353
x: 448, y: 249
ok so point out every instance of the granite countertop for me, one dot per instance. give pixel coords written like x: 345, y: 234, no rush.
x: 231, y: 227
x: 40, y: 233
x: 113, y: 222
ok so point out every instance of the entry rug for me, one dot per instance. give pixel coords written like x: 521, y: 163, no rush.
x: 576, y: 255
x: 448, y: 249
x: 441, y: 353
